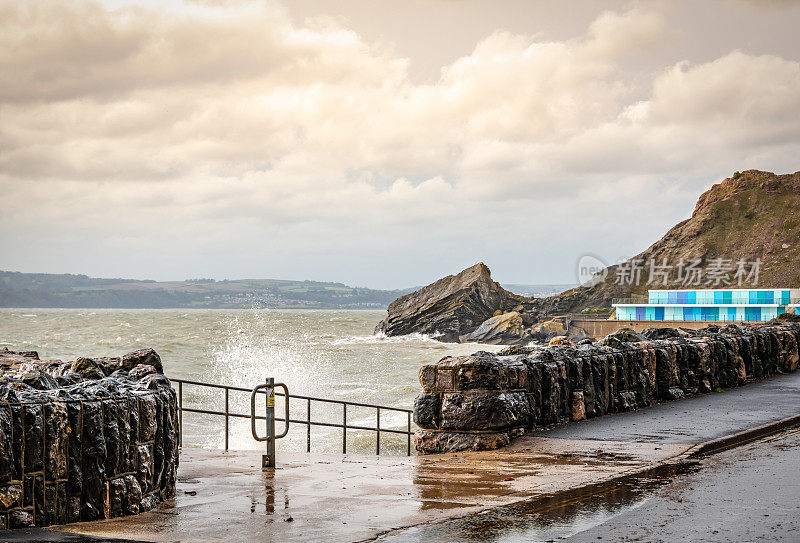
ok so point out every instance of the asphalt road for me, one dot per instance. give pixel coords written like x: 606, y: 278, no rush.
x: 696, y: 419
x: 751, y: 493
x: 747, y: 494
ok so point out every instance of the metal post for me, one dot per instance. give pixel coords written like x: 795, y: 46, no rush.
x: 378, y: 431
x: 227, y: 418
x: 344, y: 428
x: 180, y: 412
x: 408, y: 435
x: 268, y: 460
x: 308, y: 429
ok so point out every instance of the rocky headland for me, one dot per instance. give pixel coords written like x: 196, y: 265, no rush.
x: 753, y: 215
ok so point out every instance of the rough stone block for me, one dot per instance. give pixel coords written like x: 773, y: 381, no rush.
x: 484, y: 410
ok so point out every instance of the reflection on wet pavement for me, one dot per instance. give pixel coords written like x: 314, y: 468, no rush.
x: 550, y: 517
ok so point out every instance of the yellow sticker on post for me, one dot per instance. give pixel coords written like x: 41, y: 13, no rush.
x: 271, y: 399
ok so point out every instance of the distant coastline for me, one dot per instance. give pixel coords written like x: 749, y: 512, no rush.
x: 69, y: 291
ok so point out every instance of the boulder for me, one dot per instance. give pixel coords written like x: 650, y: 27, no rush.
x: 449, y: 308
x: 503, y: 329
x: 545, y: 331
x: 622, y: 336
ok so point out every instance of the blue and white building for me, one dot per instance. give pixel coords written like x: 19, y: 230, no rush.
x: 735, y: 305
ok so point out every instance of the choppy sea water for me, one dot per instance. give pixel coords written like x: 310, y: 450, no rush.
x: 328, y: 354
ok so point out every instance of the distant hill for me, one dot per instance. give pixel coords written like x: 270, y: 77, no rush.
x: 68, y: 290
x: 752, y: 216
x: 537, y: 291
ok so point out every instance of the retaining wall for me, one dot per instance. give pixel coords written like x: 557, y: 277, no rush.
x: 484, y: 400
x: 91, y: 439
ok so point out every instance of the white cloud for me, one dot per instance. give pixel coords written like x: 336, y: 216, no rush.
x: 236, y: 125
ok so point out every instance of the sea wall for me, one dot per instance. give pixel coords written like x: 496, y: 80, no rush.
x: 84, y: 440
x: 484, y: 400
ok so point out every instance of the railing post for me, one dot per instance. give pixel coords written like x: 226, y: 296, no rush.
x: 408, y: 435
x: 378, y: 431
x: 344, y: 428
x: 268, y: 460
x: 308, y: 429
x: 227, y: 417
x: 180, y: 412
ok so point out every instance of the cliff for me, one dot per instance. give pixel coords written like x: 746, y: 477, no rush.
x: 752, y: 215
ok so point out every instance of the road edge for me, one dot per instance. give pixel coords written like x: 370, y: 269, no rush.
x: 730, y: 441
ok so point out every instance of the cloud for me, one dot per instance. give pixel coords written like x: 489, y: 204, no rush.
x: 229, y: 126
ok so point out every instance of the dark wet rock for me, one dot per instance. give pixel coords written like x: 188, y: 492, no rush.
x: 483, y: 410
x: 621, y: 337
x: 479, y: 401
x: 20, y: 519
x: 69, y: 378
x: 427, y: 442
x: 661, y: 333
x: 516, y: 350
x: 426, y: 410
x: 39, y: 380
x: 451, y: 307
x: 142, y: 357
x: 87, y: 368
x: 71, y: 441
x: 142, y: 371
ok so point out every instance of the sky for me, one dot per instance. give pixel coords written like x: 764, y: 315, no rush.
x: 380, y: 143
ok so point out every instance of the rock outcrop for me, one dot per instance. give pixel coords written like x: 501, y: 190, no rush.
x: 752, y: 215
x: 504, y: 329
x: 484, y: 400
x: 84, y: 440
x: 451, y: 307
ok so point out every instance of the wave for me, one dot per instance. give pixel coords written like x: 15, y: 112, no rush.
x: 382, y: 338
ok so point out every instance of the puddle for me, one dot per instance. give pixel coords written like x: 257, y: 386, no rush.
x: 548, y: 518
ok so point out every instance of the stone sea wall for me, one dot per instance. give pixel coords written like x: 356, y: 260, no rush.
x: 84, y: 440
x: 484, y: 400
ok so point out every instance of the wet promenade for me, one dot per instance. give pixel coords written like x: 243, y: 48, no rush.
x: 226, y: 497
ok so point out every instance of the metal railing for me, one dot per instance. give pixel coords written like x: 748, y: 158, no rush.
x: 602, y: 315
x: 308, y: 422
x: 644, y: 300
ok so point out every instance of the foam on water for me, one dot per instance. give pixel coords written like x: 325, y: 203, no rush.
x: 327, y: 354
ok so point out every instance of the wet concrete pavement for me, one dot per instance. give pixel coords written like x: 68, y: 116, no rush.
x: 225, y: 496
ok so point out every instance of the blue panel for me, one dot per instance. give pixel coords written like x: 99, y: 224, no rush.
x: 762, y: 297
x: 717, y: 297
x: 652, y: 297
x: 753, y: 298
x: 650, y: 313
x: 786, y: 298
x: 692, y: 297
x: 659, y: 313
x: 672, y: 298
x: 682, y: 297
x: 769, y: 297
x: 727, y: 297
x: 781, y: 310
x: 640, y: 313
x: 731, y: 313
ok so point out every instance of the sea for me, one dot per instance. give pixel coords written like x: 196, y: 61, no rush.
x: 331, y: 354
